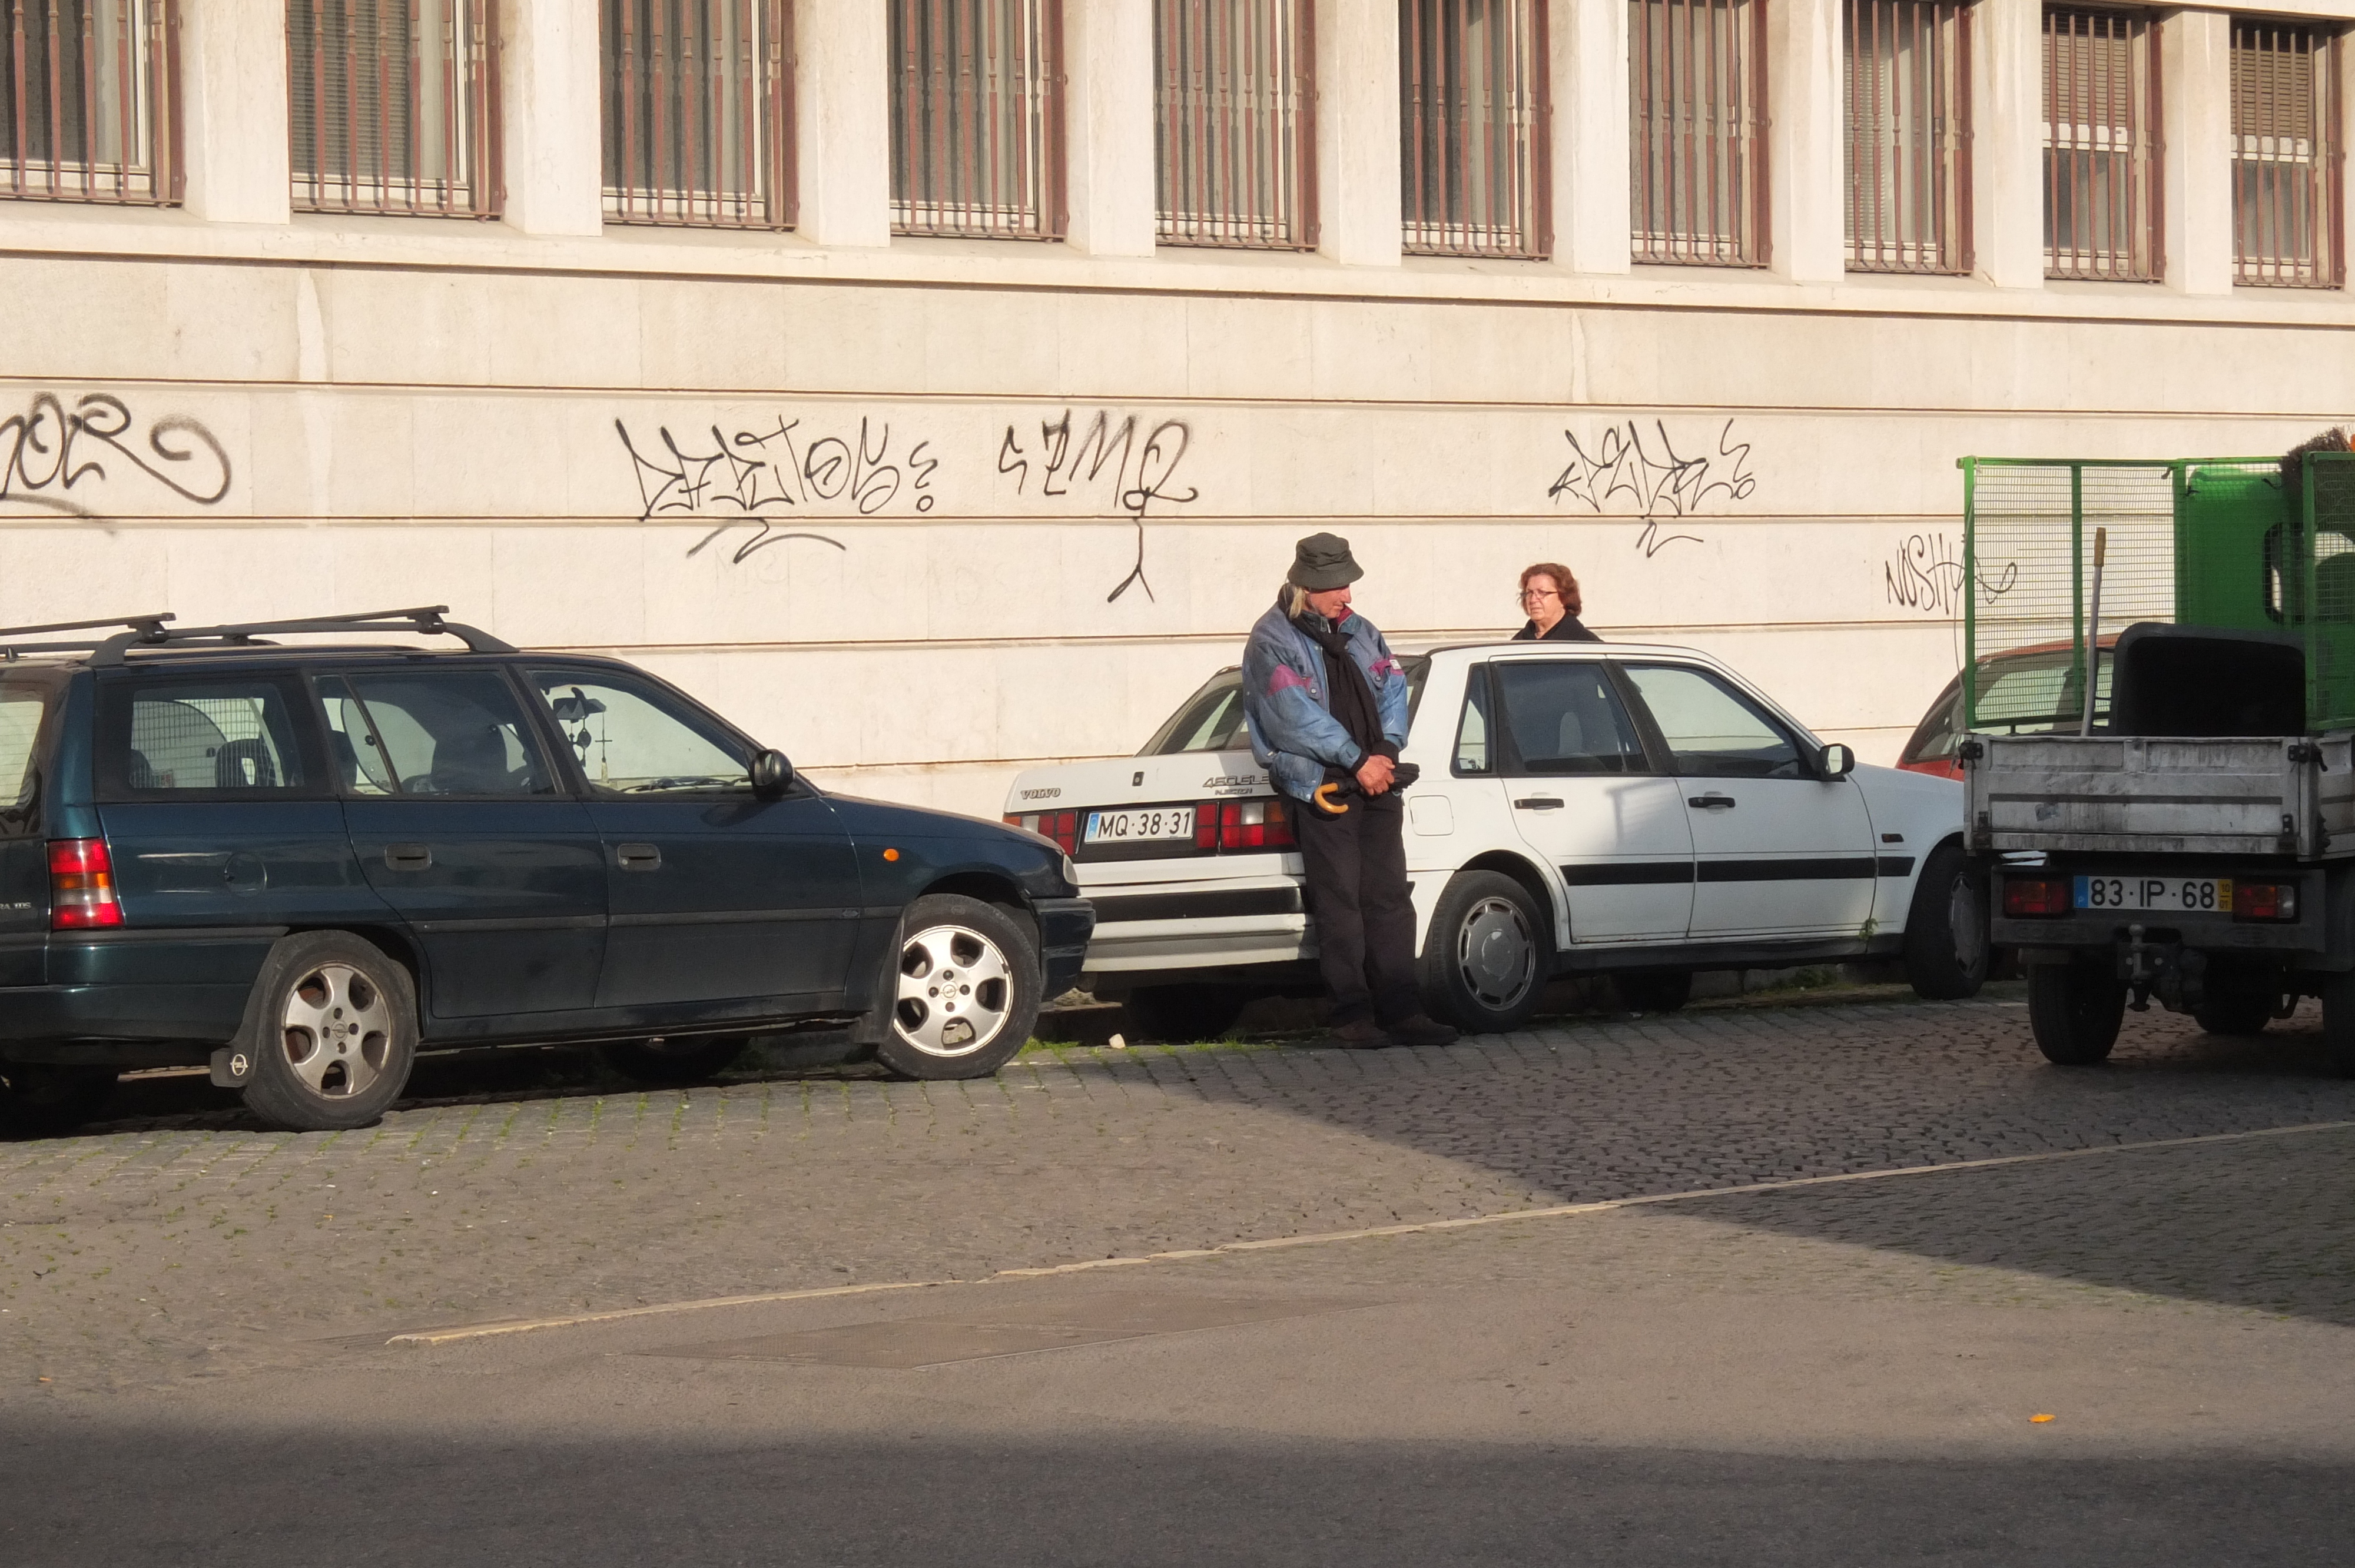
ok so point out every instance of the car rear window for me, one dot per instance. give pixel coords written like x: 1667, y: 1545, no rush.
x: 22, y: 709
x: 2036, y: 695
x: 1212, y: 718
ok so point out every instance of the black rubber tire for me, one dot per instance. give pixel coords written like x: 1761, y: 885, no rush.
x: 2076, y: 1010
x: 277, y: 1092
x: 2338, y: 1025
x: 1502, y: 993
x: 1653, y: 990
x: 1183, y: 1015
x: 2239, y: 1005
x: 676, y: 1059
x: 1946, y: 928
x: 39, y: 1099
x: 900, y: 1051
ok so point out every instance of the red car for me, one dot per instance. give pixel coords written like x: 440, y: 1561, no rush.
x: 2022, y: 691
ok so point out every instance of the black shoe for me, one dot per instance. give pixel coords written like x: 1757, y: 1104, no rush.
x: 1423, y: 1030
x: 1357, y: 1035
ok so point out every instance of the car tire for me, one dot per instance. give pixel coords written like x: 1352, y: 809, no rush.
x: 1183, y: 1015
x: 2338, y: 1025
x: 2239, y: 1003
x: 1655, y: 990
x: 2075, y: 1011
x: 331, y: 1031
x: 39, y: 1099
x: 960, y: 990
x: 1946, y: 928
x: 673, y: 1059
x: 1487, y: 955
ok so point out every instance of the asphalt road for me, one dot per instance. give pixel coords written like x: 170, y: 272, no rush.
x: 1729, y: 1369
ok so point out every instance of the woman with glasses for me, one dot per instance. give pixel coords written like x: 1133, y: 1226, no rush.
x: 1549, y: 594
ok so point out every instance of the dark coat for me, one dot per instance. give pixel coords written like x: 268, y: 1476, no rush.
x: 1566, y: 630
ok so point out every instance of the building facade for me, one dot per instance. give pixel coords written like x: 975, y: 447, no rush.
x: 937, y: 385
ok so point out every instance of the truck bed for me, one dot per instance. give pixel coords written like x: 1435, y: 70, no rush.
x: 2276, y: 795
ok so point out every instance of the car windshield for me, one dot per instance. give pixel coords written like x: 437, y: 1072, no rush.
x: 1212, y: 718
x: 22, y: 706
x: 2035, y: 693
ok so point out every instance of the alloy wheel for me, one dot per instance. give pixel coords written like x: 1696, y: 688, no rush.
x: 955, y: 992
x: 336, y: 1030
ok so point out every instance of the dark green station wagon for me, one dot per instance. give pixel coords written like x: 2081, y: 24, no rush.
x: 302, y: 865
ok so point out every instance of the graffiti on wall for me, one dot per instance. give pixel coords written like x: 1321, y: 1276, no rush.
x: 753, y: 475
x: 1103, y: 463
x: 1925, y: 573
x: 1625, y: 470
x: 71, y: 459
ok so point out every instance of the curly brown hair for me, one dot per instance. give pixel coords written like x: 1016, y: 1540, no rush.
x: 1563, y: 583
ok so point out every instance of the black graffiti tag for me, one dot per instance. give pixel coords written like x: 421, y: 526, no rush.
x: 1632, y: 474
x: 49, y: 452
x: 1130, y: 474
x: 749, y: 476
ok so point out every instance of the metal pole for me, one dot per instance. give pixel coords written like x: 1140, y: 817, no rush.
x: 2093, y: 630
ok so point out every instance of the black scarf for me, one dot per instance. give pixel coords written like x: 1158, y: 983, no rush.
x: 1354, y: 703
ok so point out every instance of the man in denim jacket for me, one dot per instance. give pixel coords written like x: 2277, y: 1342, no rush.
x: 1326, y: 703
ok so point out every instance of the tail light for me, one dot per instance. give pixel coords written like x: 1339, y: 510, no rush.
x: 1251, y: 825
x: 2264, y: 900
x: 2035, y: 898
x: 1063, y: 826
x: 81, y: 885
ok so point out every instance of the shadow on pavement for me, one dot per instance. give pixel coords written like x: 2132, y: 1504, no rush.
x: 128, y: 1494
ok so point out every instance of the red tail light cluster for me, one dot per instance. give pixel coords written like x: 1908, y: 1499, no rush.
x: 1243, y: 825
x: 2264, y: 900
x: 81, y: 885
x: 2034, y: 897
x: 1063, y: 826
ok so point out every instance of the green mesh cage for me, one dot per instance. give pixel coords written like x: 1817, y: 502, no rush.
x: 2224, y: 542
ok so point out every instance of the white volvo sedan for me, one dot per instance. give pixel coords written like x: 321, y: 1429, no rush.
x: 1583, y: 807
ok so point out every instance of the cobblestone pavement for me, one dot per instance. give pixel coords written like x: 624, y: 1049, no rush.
x: 187, y: 1242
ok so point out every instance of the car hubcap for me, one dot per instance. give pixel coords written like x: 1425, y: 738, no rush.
x: 955, y: 992
x: 1495, y: 954
x: 1963, y: 919
x: 337, y: 1030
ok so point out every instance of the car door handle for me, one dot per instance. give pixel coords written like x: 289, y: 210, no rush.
x: 1711, y: 802
x: 408, y: 857
x: 638, y: 857
x: 1538, y: 803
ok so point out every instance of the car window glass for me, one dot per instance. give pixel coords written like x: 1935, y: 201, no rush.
x: 1714, y: 731
x: 431, y: 732
x: 212, y: 737
x: 1472, y: 729
x: 1211, y: 720
x: 21, y: 708
x: 2039, y: 694
x: 1940, y: 732
x: 638, y: 740
x: 1564, y: 717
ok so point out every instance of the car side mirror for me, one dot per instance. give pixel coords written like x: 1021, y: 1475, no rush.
x: 772, y: 774
x: 1837, y: 762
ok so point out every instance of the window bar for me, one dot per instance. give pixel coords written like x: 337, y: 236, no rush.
x: 2286, y: 180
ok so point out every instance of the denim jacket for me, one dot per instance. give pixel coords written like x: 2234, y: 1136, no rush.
x: 1289, y: 713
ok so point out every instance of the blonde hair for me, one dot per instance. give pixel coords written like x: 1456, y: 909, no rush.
x: 1295, y: 599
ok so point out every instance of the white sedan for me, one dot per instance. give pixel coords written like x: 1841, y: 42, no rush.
x: 1584, y: 807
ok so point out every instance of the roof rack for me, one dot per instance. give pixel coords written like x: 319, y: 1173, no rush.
x: 424, y: 620
x: 142, y: 624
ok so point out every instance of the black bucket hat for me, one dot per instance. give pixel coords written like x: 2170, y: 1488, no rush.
x: 1321, y: 562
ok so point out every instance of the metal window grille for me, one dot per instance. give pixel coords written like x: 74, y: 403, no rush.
x: 1473, y: 115
x: 698, y: 112
x: 1908, y: 86
x: 977, y: 118
x: 1235, y: 134
x: 89, y: 101
x: 2286, y: 174
x: 2102, y: 170
x: 394, y: 106
x: 1696, y: 95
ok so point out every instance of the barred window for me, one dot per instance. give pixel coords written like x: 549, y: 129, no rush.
x: 1472, y: 81
x: 394, y: 106
x: 977, y: 118
x: 2101, y: 171
x: 89, y: 101
x: 698, y: 112
x: 2286, y: 178
x: 1696, y: 95
x: 1234, y: 135
x: 1908, y: 88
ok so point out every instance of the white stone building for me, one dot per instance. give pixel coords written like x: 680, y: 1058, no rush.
x: 937, y: 385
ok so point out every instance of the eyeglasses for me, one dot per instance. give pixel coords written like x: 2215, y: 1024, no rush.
x: 1529, y: 594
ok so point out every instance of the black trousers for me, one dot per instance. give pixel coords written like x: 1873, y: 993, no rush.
x: 1357, y: 892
